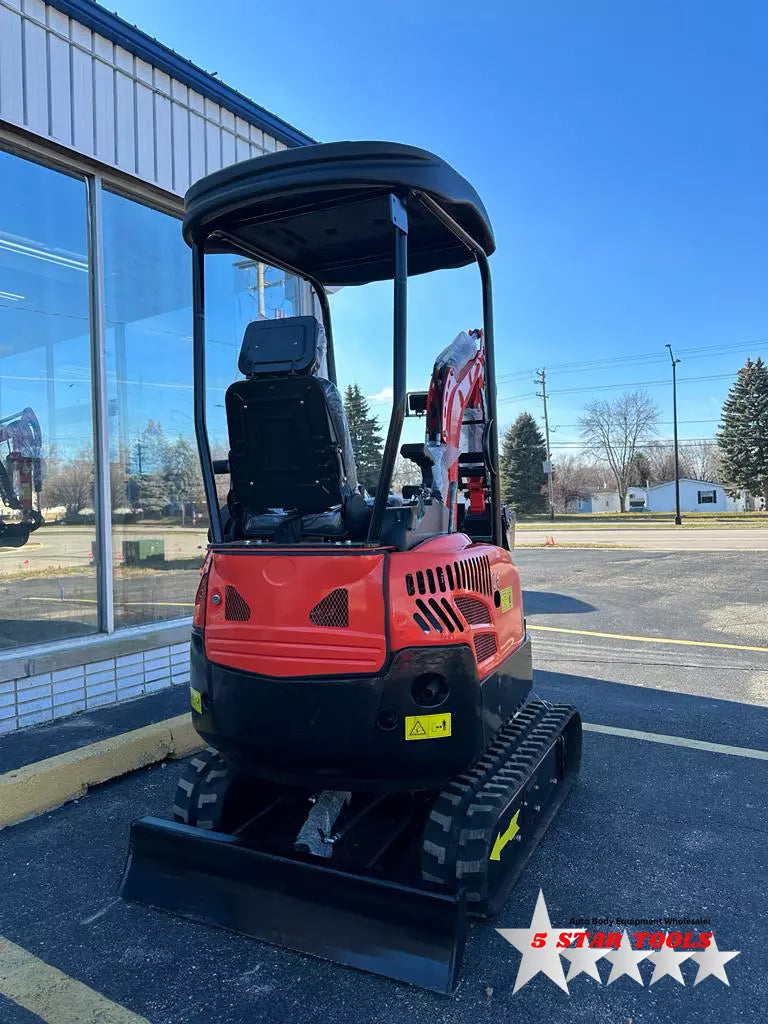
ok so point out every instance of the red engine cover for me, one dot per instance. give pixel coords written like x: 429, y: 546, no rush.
x: 449, y: 590
x: 296, y: 613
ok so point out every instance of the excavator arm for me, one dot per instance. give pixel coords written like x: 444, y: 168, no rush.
x: 456, y: 428
x: 21, y: 475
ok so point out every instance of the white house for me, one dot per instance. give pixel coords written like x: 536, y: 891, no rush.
x: 608, y: 501
x: 695, y: 496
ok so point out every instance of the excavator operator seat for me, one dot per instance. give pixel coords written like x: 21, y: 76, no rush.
x: 290, y: 450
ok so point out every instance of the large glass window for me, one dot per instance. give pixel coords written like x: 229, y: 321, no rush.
x: 48, y: 583
x: 159, y: 520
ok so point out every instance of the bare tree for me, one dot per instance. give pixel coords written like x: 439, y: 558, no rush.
x: 661, y: 462
x: 572, y: 479
x: 405, y: 472
x: 614, y: 431
x: 71, y: 485
x: 702, y: 461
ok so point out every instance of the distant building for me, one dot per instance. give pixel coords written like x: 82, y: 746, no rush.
x: 695, y: 496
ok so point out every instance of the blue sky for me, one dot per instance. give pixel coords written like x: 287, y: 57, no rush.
x: 621, y: 151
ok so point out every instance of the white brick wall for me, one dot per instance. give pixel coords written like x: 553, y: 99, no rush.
x: 42, y: 698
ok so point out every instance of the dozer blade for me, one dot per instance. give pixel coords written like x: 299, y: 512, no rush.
x: 409, y: 934
x: 14, y: 535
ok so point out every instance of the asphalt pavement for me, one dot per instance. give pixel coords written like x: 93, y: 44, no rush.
x: 650, y: 830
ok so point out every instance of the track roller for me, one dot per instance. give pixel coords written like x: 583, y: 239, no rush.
x: 188, y: 787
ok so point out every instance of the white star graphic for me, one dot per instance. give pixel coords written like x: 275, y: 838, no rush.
x: 667, y: 961
x: 545, y: 959
x: 584, y: 961
x: 712, y: 962
x: 624, y: 960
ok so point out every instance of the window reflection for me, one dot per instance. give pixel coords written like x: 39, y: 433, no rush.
x: 48, y: 582
x: 159, y: 519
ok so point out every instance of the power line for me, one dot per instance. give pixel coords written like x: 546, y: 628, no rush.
x: 614, y: 387
x: 701, y: 351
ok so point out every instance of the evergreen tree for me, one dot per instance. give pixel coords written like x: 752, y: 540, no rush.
x: 182, y: 475
x: 148, y: 487
x: 365, y: 432
x: 522, y: 466
x: 743, y: 434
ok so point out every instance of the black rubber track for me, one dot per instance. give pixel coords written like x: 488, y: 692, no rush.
x: 463, y: 823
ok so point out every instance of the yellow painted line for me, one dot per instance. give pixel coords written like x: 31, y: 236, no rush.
x: 677, y: 741
x: 122, y: 604
x: 39, y: 787
x: 52, y: 995
x: 650, y: 639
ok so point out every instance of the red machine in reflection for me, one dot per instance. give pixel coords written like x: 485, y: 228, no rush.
x: 21, y: 475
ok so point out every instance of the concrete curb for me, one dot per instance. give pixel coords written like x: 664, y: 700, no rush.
x: 44, y: 785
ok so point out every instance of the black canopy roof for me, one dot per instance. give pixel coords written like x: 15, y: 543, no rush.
x: 324, y: 210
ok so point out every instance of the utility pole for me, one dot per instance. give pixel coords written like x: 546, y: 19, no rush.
x: 541, y: 379
x: 678, y: 519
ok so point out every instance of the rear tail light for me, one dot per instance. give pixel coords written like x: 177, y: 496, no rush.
x: 201, y: 599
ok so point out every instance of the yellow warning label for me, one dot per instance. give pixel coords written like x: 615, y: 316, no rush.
x: 505, y: 596
x: 196, y: 700
x: 427, y: 727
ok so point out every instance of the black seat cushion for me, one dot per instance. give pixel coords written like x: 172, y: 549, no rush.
x: 285, y: 448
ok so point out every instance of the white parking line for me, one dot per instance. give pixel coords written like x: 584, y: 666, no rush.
x: 677, y: 741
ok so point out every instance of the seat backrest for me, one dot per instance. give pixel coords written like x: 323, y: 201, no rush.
x: 288, y: 435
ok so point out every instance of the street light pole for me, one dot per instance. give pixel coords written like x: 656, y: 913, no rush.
x: 678, y: 519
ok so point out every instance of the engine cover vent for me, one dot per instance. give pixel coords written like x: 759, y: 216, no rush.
x: 463, y: 574
x: 333, y: 610
x: 236, y: 608
x: 485, y: 646
x: 475, y: 612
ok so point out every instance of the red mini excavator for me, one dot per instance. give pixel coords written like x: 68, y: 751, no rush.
x: 21, y: 476
x: 377, y: 767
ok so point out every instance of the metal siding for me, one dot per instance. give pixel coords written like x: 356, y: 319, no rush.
x: 11, y: 95
x: 125, y: 122
x: 196, y: 146
x: 61, y: 89
x: 64, y: 82
x: 163, y: 138
x: 104, y: 112
x: 180, y: 117
x: 35, y: 78
x: 145, y: 134
x: 82, y: 100
x: 227, y: 148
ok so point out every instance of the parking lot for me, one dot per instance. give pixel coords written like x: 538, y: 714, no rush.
x: 650, y: 643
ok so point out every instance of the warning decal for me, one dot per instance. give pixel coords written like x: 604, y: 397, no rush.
x: 505, y: 597
x: 196, y: 700
x: 427, y: 727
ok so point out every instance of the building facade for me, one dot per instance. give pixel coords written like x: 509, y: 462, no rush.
x: 102, y: 130
x: 695, y: 496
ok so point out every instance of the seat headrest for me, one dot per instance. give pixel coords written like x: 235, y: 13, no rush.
x: 293, y: 344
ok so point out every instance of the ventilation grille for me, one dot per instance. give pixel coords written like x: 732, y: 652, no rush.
x: 333, y: 610
x: 437, y: 616
x: 485, y: 646
x: 463, y: 574
x: 236, y: 608
x: 475, y: 612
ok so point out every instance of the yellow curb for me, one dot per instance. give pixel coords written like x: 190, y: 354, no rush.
x: 39, y: 787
